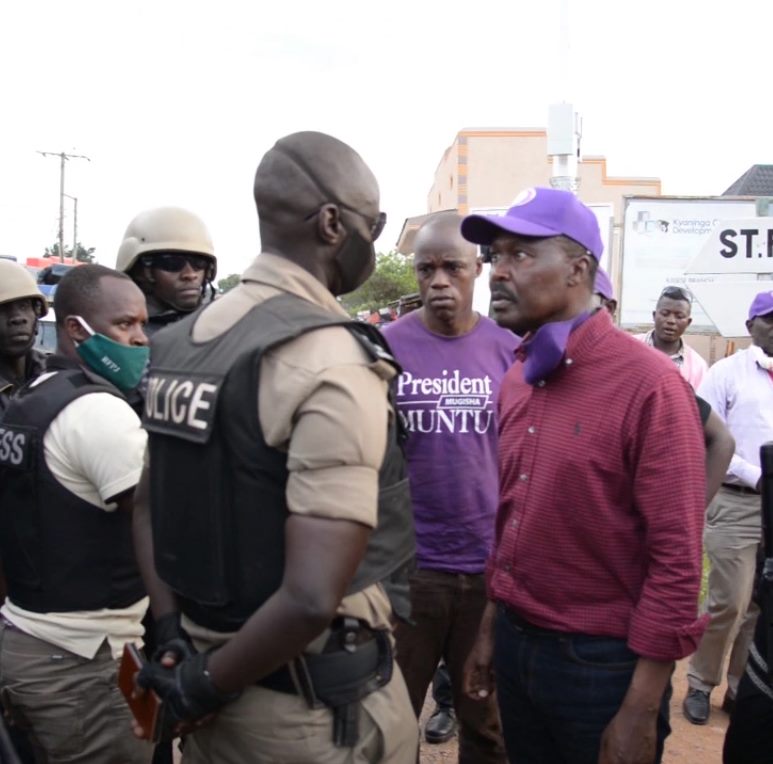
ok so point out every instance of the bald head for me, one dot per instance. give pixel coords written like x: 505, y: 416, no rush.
x: 305, y: 170
x: 446, y: 267
x: 318, y: 206
x: 442, y: 231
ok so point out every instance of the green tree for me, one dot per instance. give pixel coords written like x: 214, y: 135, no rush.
x: 393, y: 277
x: 82, y: 254
x: 228, y: 283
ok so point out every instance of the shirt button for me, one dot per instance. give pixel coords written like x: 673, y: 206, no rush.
x: 523, y: 476
x: 532, y: 430
x: 541, y: 383
x: 568, y: 361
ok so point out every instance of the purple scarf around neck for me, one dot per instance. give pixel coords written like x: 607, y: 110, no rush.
x: 547, y: 346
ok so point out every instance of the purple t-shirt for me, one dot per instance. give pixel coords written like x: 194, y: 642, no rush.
x: 447, y: 398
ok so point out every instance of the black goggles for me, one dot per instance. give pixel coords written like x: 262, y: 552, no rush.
x: 174, y: 262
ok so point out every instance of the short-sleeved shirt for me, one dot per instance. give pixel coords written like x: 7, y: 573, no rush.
x: 94, y: 448
x: 323, y: 402
x: 447, y: 397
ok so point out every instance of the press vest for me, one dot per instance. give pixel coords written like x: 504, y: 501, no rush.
x: 217, y: 490
x: 59, y: 552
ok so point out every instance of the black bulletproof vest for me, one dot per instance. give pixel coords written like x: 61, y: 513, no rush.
x: 59, y: 552
x: 217, y: 490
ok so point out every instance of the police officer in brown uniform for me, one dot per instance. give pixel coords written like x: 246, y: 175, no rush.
x: 274, y: 515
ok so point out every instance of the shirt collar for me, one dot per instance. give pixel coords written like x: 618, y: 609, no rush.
x: 677, y: 357
x: 281, y: 273
x: 543, y: 350
x: 762, y: 360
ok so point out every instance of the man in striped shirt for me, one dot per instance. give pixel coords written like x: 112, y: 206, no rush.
x: 594, y: 576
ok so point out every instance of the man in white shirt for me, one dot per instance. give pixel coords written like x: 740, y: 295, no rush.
x: 740, y: 390
x: 71, y: 453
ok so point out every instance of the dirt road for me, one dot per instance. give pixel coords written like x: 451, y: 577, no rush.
x: 687, y: 743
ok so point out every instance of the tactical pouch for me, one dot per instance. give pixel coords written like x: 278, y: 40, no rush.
x: 339, y: 679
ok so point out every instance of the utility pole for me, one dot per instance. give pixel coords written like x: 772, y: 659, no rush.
x: 63, y: 157
x: 74, y: 225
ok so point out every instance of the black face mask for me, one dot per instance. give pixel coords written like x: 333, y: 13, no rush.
x: 356, y: 261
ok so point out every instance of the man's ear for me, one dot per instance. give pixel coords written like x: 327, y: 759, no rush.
x: 749, y: 325
x: 478, y: 266
x: 74, y: 330
x: 689, y: 321
x: 579, y: 270
x: 330, y: 228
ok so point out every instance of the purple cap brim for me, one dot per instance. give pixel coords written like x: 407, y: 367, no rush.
x: 483, y: 229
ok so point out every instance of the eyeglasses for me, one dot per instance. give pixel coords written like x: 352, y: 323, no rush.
x: 174, y: 262
x: 677, y: 293
x: 375, y: 227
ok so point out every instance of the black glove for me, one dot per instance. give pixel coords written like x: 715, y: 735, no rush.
x: 170, y: 637
x: 186, y: 690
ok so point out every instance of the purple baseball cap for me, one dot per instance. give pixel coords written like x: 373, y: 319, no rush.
x: 603, y: 285
x: 541, y: 213
x: 762, y: 304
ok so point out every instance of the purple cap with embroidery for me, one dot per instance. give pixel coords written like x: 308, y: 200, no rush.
x: 761, y: 305
x: 603, y: 285
x: 541, y: 213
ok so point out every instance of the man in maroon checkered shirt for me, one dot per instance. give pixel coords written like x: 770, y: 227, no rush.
x: 596, y: 568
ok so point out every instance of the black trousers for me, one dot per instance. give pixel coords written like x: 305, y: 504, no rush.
x: 441, y: 687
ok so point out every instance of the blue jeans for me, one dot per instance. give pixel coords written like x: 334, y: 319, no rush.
x: 557, y: 692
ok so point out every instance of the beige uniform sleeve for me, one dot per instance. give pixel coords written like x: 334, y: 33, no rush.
x: 322, y: 402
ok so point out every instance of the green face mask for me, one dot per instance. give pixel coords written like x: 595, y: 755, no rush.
x: 123, y: 365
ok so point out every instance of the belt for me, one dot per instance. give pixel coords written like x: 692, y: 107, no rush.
x: 529, y: 628
x: 741, y: 489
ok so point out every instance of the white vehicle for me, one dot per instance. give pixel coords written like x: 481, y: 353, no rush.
x: 45, y: 341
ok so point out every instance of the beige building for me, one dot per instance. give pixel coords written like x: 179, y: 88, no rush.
x: 487, y: 167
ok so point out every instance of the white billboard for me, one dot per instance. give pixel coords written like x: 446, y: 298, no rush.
x: 661, y: 236
x: 739, y: 253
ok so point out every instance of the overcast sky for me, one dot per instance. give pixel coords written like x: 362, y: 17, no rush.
x: 175, y: 102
